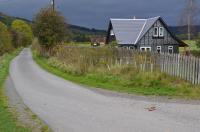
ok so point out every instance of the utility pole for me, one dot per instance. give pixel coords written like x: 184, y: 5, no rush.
x: 189, y: 17
x: 189, y: 23
x: 53, y: 4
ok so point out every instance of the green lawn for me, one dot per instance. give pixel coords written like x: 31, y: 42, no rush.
x: 141, y: 84
x: 192, y: 44
x: 8, y: 122
x: 85, y: 44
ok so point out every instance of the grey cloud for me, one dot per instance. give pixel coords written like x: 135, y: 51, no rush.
x: 96, y: 13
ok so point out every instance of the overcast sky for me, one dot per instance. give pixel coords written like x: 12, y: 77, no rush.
x: 96, y: 13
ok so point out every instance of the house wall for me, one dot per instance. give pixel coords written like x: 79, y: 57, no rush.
x: 149, y: 41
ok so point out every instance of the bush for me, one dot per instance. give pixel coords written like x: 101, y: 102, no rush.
x: 22, y: 33
x: 50, y: 27
x: 5, y: 39
x: 198, y: 43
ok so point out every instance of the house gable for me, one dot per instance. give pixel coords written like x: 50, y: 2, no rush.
x: 149, y: 39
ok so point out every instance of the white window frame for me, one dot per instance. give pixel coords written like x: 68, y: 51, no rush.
x: 131, y: 47
x: 154, y: 33
x: 112, y: 32
x: 158, y: 48
x: 145, y: 48
x: 171, y: 48
x: 161, y: 34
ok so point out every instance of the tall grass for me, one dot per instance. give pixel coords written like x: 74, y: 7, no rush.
x: 110, y: 68
x: 84, y: 59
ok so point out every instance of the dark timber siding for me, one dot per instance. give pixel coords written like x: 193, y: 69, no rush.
x: 167, y: 40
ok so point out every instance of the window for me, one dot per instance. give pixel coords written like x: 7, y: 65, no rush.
x: 148, y: 49
x: 131, y: 47
x: 112, y: 33
x: 170, y: 49
x: 158, y: 49
x: 155, y: 32
x: 158, y: 32
x: 161, y: 32
x: 142, y: 49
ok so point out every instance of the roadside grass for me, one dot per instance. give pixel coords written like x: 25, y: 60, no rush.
x: 8, y: 121
x: 124, y: 80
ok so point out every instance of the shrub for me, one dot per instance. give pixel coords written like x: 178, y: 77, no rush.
x: 22, y: 33
x: 198, y: 43
x: 5, y: 39
x: 50, y: 27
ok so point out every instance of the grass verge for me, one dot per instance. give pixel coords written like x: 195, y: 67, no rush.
x: 141, y: 84
x: 8, y: 121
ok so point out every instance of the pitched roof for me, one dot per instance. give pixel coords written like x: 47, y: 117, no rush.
x: 130, y: 31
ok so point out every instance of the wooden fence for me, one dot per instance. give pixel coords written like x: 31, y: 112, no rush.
x: 177, y: 65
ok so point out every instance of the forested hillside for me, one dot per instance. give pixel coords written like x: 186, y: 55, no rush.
x: 75, y: 33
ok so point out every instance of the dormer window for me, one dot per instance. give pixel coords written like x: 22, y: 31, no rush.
x: 155, y: 32
x: 161, y: 32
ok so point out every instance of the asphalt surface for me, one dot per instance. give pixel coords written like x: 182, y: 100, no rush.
x: 68, y: 107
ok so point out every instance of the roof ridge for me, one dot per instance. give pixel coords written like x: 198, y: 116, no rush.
x: 141, y: 31
x: 154, y: 17
x: 125, y: 19
x: 133, y: 19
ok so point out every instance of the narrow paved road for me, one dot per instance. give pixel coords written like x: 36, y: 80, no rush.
x: 67, y: 107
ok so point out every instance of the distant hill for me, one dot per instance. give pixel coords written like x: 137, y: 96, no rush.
x: 79, y: 33
x: 9, y: 19
x: 6, y: 19
x: 84, y: 30
x: 182, y: 29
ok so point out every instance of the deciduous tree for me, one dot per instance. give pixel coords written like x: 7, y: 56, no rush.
x: 5, y: 39
x: 22, y: 33
x: 50, y: 27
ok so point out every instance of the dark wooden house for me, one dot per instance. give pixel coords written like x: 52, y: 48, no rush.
x: 98, y: 40
x: 150, y: 34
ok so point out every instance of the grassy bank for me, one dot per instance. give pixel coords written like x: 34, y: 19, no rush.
x: 8, y: 122
x: 122, y: 79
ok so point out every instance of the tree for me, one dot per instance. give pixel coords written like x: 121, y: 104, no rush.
x: 50, y: 27
x: 22, y: 33
x: 17, y: 38
x: 5, y: 39
x: 189, y: 17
